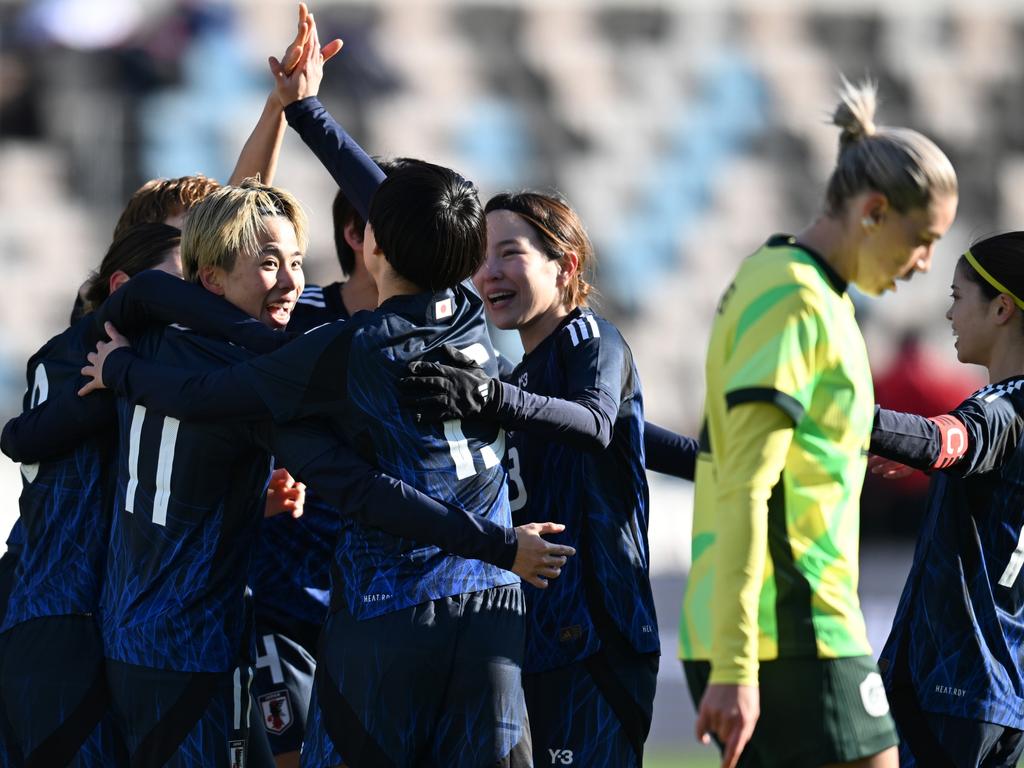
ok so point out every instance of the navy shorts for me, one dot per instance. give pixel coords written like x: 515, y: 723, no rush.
x: 437, y: 684
x: 282, y: 685
x: 595, y: 712
x: 54, y: 701
x: 182, y: 719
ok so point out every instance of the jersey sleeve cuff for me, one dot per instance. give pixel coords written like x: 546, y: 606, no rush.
x: 731, y: 674
x: 115, y: 368
x: 297, y: 109
x: 788, y: 404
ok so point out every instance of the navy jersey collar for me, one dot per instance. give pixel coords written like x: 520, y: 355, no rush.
x: 575, y: 314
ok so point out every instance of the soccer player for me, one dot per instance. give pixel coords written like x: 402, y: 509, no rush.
x: 952, y: 665
x: 574, y: 409
x: 290, y: 571
x: 771, y: 619
x: 53, y: 695
x: 188, y: 500
x: 397, y: 606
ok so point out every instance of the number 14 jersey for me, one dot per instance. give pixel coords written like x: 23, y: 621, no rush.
x: 345, y: 375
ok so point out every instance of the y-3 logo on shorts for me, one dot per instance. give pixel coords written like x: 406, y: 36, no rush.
x: 561, y: 756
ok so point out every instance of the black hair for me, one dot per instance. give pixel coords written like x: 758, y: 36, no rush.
x: 430, y: 225
x: 344, y: 213
x: 1002, y: 256
x: 139, y: 247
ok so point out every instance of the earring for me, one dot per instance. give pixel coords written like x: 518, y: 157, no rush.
x: 868, y: 222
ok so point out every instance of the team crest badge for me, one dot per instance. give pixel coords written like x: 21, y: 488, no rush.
x: 277, y: 711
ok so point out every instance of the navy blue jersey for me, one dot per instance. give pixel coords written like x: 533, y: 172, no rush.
x: 600, y: 495
x: 8, y: 564
x: 64, y: 503
x: 189, y: 499
x: 318, y: 305
x: 960, y: 621
x: 346, y: 374
x: 290, y: 573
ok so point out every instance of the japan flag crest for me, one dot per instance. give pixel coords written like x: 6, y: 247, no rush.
x: 277, y: 711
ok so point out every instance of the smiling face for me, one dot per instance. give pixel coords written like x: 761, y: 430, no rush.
x: 971, y: 315
x: 266, y: 285
x: 521, y: 287
x: 902, y: 244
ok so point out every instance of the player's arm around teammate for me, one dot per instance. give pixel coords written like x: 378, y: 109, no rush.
x: 951, y: 664
x: 771, y: 599
x: 53, y: 691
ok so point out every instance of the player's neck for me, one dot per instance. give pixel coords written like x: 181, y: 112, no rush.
x: 391, y: 285
x: 535, y: 331
x: 359, y: 292
x: 1007, y: 359
x: 827, y: 237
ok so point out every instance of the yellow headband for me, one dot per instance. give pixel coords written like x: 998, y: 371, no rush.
x: 991, y: 280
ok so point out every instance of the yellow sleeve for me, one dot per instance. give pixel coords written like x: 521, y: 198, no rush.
x: 757, y: 439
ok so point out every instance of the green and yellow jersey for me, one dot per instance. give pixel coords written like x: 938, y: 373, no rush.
x: 784, y: 336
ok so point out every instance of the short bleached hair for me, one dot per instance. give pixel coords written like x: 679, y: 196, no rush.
x: 229, y: 222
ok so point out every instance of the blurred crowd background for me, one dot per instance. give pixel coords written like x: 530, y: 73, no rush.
x: 684, y: 132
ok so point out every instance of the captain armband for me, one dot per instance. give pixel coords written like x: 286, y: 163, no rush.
x: 953, y: 440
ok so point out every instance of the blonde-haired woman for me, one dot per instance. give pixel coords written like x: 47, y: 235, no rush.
x: 771, y: 621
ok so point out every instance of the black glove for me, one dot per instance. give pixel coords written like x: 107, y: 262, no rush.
x: 457, y: 388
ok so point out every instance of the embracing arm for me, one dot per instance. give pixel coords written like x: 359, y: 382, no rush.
x: 977, y: 436
x: 669, y: 453
x: 157, y: 298
x: 58, y: 424
x: 226, y: 393
x: 334, y: 470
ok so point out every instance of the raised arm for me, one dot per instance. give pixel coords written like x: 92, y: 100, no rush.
x: 263, y: 147
x: 352, y: 169
x: 261, y: 150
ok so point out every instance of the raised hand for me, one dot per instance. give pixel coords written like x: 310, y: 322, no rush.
x: 94, y: 370
x: 303, y: 79
x: 293, y: 54
x: 538, y: 560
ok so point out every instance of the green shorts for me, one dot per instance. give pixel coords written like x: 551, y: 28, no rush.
x: 813, y: 711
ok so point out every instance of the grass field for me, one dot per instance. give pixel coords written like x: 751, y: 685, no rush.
x: 701, y: 759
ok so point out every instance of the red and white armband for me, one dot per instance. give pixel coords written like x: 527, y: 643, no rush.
x: 953, y: 440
